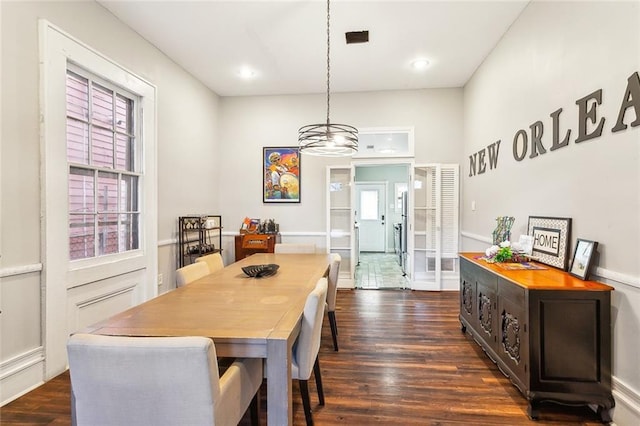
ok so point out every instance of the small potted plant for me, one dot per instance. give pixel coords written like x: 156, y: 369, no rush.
x: 503, y: 253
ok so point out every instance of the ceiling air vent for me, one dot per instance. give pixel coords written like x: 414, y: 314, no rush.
x: 357, y: 37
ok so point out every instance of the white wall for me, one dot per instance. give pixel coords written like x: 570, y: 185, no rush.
x: 187, y: 162
x: 249, y: 123
x: 555, y: 54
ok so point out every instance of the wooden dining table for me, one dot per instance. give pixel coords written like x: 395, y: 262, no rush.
x: 245, y: 317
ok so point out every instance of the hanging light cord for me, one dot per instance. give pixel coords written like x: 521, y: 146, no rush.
x: 328, y: 61
x: 332, y: 140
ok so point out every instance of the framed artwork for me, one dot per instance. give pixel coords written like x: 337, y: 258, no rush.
x: 551, y: 236
x: 281, y: 174
x: 582, y: 256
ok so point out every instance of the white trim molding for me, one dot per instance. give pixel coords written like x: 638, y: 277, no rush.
x: 304, y: 234
x: 21, y: 374
x: 168, y: 242
x: 105, y: 296
x: 20, y: 270
x: 617, y: 277
x: 20, y: 362
x: 285, y: 234
x: 627, y: 410
x: 476, y: 237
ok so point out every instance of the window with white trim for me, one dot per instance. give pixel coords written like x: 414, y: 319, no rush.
x: 104, y: 180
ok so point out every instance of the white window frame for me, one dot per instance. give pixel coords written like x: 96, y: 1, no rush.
x: 123, y: 273
x: 137, y: 158
x: 59, y: 50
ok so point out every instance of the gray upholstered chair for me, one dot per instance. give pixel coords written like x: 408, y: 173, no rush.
x: 332, y: 293
x: 306, y: 347
x: 158, y: 381
x: 294, y: 248
x: 213, y: 261
x: 190, y: 273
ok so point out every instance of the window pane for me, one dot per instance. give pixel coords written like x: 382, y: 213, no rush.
x: 104, y: 216
x: 129, y: 194
x: 77, y: 97
x: 81, y: 236
x: 129, y: 227
x: 107, y: 233
x: 107, y: 192
x: 124, y: 108
x: 77, y: 141
x: 102, y: 106
x: 81, y: 194
x: 369, y: 205
x: 102, y: 154
x: 124, y: 153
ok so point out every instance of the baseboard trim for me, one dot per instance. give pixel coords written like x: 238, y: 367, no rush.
x: 21, y: 374
x: 627, y: 410
x: 447, y: 285
x: 346, y: 283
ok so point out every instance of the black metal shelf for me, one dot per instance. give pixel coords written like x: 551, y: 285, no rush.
x: 198, y: 235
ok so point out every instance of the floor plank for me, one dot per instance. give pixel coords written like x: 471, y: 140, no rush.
x: 402, y: 361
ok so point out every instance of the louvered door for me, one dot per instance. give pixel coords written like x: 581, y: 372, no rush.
x: 435, y: 227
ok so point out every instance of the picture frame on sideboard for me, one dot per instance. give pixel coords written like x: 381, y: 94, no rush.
x: 551, y: 240
x: 582, y: 258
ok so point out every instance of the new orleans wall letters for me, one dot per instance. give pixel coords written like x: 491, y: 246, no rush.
x: 529, y: 143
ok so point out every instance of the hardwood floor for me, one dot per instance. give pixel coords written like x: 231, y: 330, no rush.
x: 402, y: 361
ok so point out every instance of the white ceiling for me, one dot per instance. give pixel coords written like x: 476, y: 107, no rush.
x: 285, y: 41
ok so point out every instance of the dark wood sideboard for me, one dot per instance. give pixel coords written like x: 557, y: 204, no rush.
x: 549, y: 332
x: 248, y: 244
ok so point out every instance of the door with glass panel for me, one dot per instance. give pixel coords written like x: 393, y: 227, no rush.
x: 342, y: 235
x: 370, y: 216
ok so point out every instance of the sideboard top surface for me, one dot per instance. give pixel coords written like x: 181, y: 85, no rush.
x: 538, y: 279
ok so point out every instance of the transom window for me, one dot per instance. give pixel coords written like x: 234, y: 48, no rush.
x: 102, y: 157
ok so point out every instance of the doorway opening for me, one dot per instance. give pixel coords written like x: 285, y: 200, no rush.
x: 379, y: 271
x: 381, y: 219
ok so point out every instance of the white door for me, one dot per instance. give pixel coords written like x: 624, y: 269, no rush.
x: 370, y: 215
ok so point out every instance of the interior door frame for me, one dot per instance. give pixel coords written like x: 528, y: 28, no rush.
x: 410, y: 164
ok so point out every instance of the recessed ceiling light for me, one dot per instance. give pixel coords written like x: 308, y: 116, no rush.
x: 246, y: 73
x: 420, y: 64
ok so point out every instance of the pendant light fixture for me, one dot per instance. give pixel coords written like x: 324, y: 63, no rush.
x: 328, y: 139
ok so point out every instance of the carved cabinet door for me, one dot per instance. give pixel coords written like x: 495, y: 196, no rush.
x: 467, y: 294
x: 513, y: 343
x: 487, y: 312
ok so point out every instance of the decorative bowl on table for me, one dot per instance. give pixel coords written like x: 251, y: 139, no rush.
x: 257, y: 271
